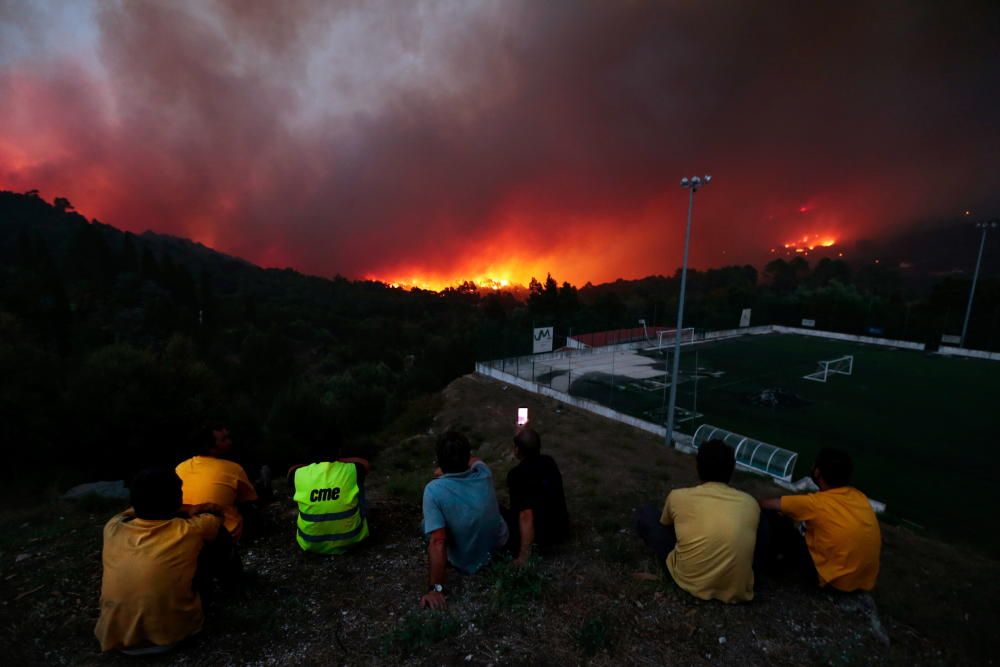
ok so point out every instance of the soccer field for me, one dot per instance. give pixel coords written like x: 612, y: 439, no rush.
x: 921, y: 427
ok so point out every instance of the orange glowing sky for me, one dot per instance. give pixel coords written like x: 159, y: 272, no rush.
x: 430, y: 143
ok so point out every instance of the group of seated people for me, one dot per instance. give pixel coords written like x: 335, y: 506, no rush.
x: 713, y: 538
x: 181, y: 534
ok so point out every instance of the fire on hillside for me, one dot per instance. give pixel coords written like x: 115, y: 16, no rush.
x: 808, y: 243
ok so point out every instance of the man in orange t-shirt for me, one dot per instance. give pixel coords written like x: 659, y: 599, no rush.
x: 212, y: 478
x: 842, y: 535
x: 155, y: 556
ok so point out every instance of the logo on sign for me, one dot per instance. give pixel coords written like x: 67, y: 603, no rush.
x: 542, y: 340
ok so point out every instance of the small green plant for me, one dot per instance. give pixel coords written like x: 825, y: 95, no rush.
x: 608, y: 525
x: 418, y: 630
x: 619, y: 548
x: 601, y: 504
x: 516, y: 586
x: 406, y: 487
x: 595, y: 635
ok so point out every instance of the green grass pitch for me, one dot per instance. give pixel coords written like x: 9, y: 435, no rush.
x: 922, y: 428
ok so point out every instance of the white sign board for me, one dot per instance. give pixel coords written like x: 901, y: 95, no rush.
x: 951, y: 340
x: 809, y: 323
x: 542, y: 340
x: 745, y: 318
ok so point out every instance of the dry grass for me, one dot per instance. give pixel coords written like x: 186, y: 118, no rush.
x: 598, y: 600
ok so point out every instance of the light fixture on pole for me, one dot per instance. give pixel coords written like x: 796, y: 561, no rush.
x: 691, y: 185
x: 993, y: 224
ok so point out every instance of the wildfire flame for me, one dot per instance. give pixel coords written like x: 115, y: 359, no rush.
x: 481, y: 282
x: 810, y: 242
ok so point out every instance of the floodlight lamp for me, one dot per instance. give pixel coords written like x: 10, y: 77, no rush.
x: 696, y: 181
x: 685, y: 182
x: 708, y: 179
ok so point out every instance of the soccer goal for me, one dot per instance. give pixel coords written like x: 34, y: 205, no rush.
x: 665, y: 337
x: 839, y: 366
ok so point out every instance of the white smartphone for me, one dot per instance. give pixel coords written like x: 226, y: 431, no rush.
x: 522, y: 416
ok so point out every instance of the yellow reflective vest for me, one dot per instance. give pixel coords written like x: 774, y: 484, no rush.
x: 331, y: 507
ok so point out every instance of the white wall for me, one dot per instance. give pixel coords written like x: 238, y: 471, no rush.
x: 733, y: 333
x: 582, y: 403
x: 868, y: 340
x: 949, y: 351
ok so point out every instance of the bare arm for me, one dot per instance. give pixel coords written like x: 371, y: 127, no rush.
x: 437, y: 557
x: 202, y: 508
x: 357, y: 459
x: 526, y: 518
x: 770, y: 504
x: 291, y: 475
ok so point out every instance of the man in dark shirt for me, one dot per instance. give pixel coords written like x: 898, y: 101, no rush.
x: 537, y: 512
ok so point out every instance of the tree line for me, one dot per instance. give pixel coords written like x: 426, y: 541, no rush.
x: 114, y: 347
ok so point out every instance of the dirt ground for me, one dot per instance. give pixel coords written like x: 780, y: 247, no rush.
x: 599, y: 600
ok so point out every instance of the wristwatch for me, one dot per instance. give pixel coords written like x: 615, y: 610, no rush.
x: 437, y: 588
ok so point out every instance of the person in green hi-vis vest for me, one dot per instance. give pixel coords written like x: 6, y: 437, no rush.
x: 331, y: 499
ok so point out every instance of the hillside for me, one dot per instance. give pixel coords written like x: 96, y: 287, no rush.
x: 600, y: 600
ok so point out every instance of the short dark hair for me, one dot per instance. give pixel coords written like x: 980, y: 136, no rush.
x: 156, y: 493
x: 203, y: 439
x: 453, y: 452
x: 715, y: 461
x: 323, y: 441
x: 528, y: 441
x: 835, y: 466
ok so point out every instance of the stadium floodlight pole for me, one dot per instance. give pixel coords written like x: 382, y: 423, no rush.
x: 993, y: 224
x: 691, y: 185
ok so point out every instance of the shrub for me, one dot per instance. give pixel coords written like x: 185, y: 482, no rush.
x: 406, y: 487
x: 419, y: 630
x: 516, y: 586
x: 595, y: 635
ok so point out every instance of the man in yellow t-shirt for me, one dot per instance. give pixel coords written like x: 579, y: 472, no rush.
x: 212, y: 478
x: 153, y: 555
x: 710, y: 531
x: 842, y: 535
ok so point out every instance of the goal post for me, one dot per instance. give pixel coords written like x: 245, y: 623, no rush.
x: 839, y: 366
x: 665, y: 337
x: 842, y: 365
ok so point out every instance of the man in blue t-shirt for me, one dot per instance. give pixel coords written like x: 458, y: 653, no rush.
x: 461, y: 516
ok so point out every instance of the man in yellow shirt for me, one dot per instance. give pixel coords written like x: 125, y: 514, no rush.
x: 706, y: 534
x: 842, y: 536
x: 154, y: 556
x: 211, y: 477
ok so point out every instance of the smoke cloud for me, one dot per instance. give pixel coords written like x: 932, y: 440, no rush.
x: 436, y: 141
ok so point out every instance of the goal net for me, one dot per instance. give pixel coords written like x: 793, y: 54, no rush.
x: 839, y: 366
x: 665, y: 337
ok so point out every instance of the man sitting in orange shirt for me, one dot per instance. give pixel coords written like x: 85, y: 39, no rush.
x: 842, y: 536
x: 156, y: 554
x: 212, y: 478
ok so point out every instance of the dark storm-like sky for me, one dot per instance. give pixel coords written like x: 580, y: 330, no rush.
x: 438, y: 141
